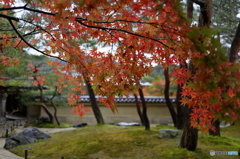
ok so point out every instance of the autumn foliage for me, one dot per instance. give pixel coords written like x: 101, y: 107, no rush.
x: 138, y: 35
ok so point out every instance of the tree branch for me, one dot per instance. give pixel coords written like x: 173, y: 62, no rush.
x: 125, y: 31
x: 9, y: 17
x: 29, y: 9
x: 79, y: 20
x: 42, y: 52
x: 114, y: 21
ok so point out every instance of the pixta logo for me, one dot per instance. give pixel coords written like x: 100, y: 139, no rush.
x: 212, y: 152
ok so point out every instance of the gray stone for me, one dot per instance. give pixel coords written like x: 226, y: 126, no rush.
x: 29, y: 135
x: 169, y: 133
x: 80, y: 125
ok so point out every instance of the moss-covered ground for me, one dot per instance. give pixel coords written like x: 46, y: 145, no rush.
x: 48, y: 125
x: 115, y: 142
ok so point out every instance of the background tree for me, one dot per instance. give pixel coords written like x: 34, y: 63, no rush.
x: 145, y: 119
x: 157, y: 82
x: 167, y: 98
x: 95, y: 108
x: 225, y: 24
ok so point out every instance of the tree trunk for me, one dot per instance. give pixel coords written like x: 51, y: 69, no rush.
x: 216, y: 124
x: 235, y: 47
x: 189, y: 9
x: 144, y: 112
x: 205, y: 12
x: 166, y: 94
x: 93, y: 101
x: 138, y: 109
x: 55, y: 109
x: 189, y: 137
x: 48, y: 113
x: 234, y: 50
x: 181, y: 110
x: 205, y: 21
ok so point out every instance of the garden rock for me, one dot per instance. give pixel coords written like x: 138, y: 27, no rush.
x: 169, y: 133
x: 80, y: 125
x: 29, y: 135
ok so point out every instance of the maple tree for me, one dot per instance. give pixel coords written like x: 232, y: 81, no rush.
x: 138, y: 33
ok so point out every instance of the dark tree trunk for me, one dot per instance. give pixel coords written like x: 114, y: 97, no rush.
x: 93, y: 101
x: 144, y: 111
x: 138, y: 109
x: 55, y: 109
x: 205, y: 21
x: 205, y: 12
x: 181, y: 110
x: 216, y: 124
x: 189, y: 9
x: 189, y: 137
x: 48, y: 113
x: 235, y: 47
x: 168, y: 101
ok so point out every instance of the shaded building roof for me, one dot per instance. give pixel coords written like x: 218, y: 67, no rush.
x: 131, y: 99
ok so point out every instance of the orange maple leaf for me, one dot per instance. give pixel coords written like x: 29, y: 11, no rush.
x: 231, y: 93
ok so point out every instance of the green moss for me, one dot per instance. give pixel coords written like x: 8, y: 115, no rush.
x: 179, y: 153
x: 165, y: 127
x: 220, y: 141
x: 48, y: 125
x: 231, y: 130
x: 114, y: 142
